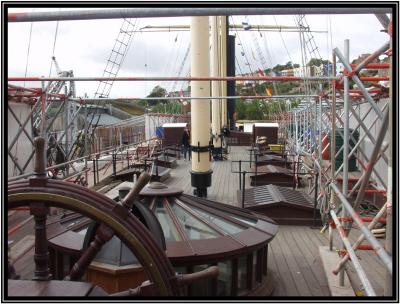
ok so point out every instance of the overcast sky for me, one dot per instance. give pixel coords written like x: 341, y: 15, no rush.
x: 84, y: 47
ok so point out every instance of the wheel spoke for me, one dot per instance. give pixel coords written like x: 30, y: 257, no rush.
x: 103, y: 235
x: 41, y: 256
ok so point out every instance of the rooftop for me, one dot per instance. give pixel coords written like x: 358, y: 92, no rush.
x: 104, y: 119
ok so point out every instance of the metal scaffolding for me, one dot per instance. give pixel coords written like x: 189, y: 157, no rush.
x: 341, y: 123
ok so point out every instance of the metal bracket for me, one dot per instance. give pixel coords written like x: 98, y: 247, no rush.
x: 201, y: 149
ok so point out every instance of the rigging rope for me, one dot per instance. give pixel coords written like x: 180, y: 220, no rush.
x: 284, y: 45
x: 181, y: 67
x: 270, y: 57
x: 168, y: 67
x: 54, y: 48
x: 173, y: 67
x: 238, y: 64
x: 241, y: 46
x: 304, y: 67
x: 29, y: 47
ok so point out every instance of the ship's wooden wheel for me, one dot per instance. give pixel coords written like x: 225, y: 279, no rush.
x: 40, y: 193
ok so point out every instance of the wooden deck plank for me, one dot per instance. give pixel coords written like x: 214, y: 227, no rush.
x: 279, y: 286
x: 315, y: 236
x: 218, y: 192
x: 313, y: 282
x: 229, y: 181
x: 224, y: 194
x: 226, y: 183
x: 25, y: 266
x: 310, y: 254
x: 218, y: 179
x: 21, y: 247
x: 283, y: 270
x: 289, y: 253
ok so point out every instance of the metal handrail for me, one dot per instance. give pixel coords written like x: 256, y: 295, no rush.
x: 87, y: 157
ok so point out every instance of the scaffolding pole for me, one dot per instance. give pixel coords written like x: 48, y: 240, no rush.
x: 359, y: 149
x: 174, y: 78
x: 358, y: 82
x: 377, y: 247
x: 185, y: 11
x: 389, y: 217
x: 345, y: 148
x: 361, y: 238
x: 363, y: 64
x: 357, y: 266
x: 333, y: 139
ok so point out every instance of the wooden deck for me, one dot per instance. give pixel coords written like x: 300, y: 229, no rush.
x: 224, y: 182
x: 293, y: 255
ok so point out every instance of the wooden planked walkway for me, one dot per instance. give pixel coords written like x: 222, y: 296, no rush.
x: 224, y: 183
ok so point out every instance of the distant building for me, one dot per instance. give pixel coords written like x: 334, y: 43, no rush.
x: 327, y: 69
x: 309, y: 71
x: 362, y: 57
x: 298, y: 72
x: 287, y: 72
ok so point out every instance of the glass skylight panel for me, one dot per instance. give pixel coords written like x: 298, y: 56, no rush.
x: 248, y: 221
x: 220, y: 222
x: 194, y: 228
x: 168, y: 227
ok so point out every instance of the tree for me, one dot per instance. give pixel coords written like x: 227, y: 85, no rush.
x: 157, y: 92
x: 240, y: 109
x: 289, y: 65
x: 317, y: 62
x: 254, y: 110
x: 257, y: 109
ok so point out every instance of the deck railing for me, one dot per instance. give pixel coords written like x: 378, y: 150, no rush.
x: 130, y: 151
